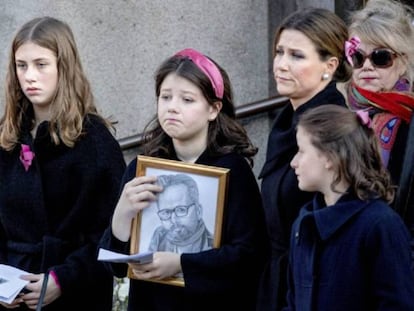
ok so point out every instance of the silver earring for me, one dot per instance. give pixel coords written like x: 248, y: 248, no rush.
x: 325, y: 76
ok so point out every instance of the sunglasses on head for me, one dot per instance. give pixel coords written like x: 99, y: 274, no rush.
x: 380, y: 58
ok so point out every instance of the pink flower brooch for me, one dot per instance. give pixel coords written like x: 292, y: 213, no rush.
x: 26, y: 156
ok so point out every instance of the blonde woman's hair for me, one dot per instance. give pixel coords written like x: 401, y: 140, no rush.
x: 389, y: 24
x: 73, y: 98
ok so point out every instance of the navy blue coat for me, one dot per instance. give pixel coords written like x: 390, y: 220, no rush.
x: 218, y: 278
x: 53, y: 215
x: 353, y: 255
x: 282, y: 198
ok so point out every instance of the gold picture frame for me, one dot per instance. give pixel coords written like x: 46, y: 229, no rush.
x: 211, y: 183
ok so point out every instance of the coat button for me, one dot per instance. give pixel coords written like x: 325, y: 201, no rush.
x: 297, y: 235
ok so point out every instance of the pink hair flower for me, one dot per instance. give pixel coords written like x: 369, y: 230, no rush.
x: 351, y: 46
x: 26, y: 156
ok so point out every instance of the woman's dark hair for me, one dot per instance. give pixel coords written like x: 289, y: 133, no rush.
x: 326, y: 30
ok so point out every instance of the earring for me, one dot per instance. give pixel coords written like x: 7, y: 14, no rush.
x: 325, y: 76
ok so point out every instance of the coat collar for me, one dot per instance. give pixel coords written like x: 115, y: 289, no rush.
x: 281, y: 145
x: 329, y: 219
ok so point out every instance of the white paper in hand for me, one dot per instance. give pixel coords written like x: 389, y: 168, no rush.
x: 10, y: 283
x: 140, y: 258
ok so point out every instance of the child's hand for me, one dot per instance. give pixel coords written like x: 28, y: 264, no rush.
x: 14, y: 304
x: 164, y: 265
x: 136, y: 195
x: 31, y: 298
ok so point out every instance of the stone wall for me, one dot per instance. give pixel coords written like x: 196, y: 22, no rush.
x: 123, y: 41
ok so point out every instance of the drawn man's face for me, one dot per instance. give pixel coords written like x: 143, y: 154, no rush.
x: 177, y: 213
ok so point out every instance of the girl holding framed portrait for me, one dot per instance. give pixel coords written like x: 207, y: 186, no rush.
x: 195, y: 123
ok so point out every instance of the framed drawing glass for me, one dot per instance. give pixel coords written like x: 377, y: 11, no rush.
x: 187, y: 215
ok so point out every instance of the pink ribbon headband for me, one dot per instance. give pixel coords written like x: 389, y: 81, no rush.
x: 208, y: 68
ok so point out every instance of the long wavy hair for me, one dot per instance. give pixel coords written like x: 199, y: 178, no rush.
x: 352, y: 147
x: 73, y: 98
x: 225, y: 133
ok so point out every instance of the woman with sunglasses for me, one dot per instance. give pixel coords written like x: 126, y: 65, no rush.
x: 380, y: 50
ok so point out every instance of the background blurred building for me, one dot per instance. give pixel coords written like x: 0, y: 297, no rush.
x: 122, y: 42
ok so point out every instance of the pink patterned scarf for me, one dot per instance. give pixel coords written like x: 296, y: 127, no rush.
x: 387, y: 110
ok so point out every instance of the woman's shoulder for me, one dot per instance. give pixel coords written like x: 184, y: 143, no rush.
x: 333, y: 94
x: 381, y: 206
x: 95, y: 123
x: 342, y: 88
x: 132, y: 164
x: 96, y: 129
x: 382, y: 223
x: 97, y: 136
x: 231, y: 161
x: 241, y: 174
x: 379, y: 212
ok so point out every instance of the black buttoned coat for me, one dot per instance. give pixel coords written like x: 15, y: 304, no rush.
x: 53, y: 215
x: 282, y: 198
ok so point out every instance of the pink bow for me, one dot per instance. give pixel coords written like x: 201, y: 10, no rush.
x: 363, y: 115
x: 208, y: 68
x: 351, y: 46
x: 26, y: 156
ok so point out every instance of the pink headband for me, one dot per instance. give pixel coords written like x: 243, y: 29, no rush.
x: 207, y: 67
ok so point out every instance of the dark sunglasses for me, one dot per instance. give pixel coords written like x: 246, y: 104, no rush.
x: 380, y: 58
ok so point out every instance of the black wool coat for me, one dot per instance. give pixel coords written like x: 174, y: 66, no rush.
x: 53, y: 215
x: 216, y: 279
x: 282, y: 199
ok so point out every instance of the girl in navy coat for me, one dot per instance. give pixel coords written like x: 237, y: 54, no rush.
x: 195, y: 123
x: 349, y: 249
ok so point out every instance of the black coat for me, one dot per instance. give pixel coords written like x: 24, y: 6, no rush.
x: 282, y: 198
x: 217, y: 278
x: 404, y: 200
x: 53, y: 215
